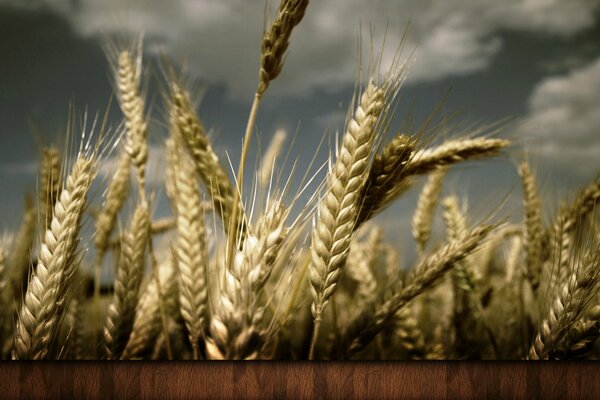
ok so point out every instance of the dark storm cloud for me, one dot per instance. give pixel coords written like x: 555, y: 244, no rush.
x: 493, y: 55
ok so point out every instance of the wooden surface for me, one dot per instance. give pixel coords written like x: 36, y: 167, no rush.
x: 278, y: 380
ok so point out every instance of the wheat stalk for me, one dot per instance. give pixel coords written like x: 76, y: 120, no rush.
x: 121, y: 312
x: 40, y: 313
x: 275, y: 42
x: 341, y: 204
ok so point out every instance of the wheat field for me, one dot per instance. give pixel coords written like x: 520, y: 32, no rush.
x: 246, y: 268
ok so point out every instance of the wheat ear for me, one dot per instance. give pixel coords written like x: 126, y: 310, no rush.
x: 533, y: 236
x: 49, y: 184
x: 235, y: 331
x: 582, y: 335
x: 363, y: 256
x: 121, y: 312
x: 188, y: 128
x: 567, y: 307
x: 276, y: 40
x: 392, y: 171
x: 6, y: 294
x: 425, y: 211
x: 132, y: 106
x: 384, y: 182
x: 116, y: 194
x: 40, y: 313
x: 20, y: 255
x: 569, y: 219
x: 453, y: 151
x: 191, y: 254
x: 340, y: 206
x: 365, y: 327
x: 148, y: 324
x: 274, y: 43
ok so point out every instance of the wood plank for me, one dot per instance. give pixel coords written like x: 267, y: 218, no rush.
x: 299, y: 380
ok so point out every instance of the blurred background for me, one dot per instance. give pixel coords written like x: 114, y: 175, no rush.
x: 534, y: 62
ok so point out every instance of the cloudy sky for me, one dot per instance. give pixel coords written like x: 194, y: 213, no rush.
x: 534, y: 61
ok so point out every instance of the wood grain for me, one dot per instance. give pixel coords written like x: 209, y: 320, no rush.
x: 299, y: 380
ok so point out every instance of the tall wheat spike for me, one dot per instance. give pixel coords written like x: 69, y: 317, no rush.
x: 121, y: 312
x: 189, y: 129
x: 341, y: 204
x: 533, y: 238
x: 39, y: 316
x: 274, y: 44
x: 116, y: 194
x: 191, y: 254
x: 132, y: 104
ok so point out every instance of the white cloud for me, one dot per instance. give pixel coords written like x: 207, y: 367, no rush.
x: 220, y: 38
x: 564, y: 120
